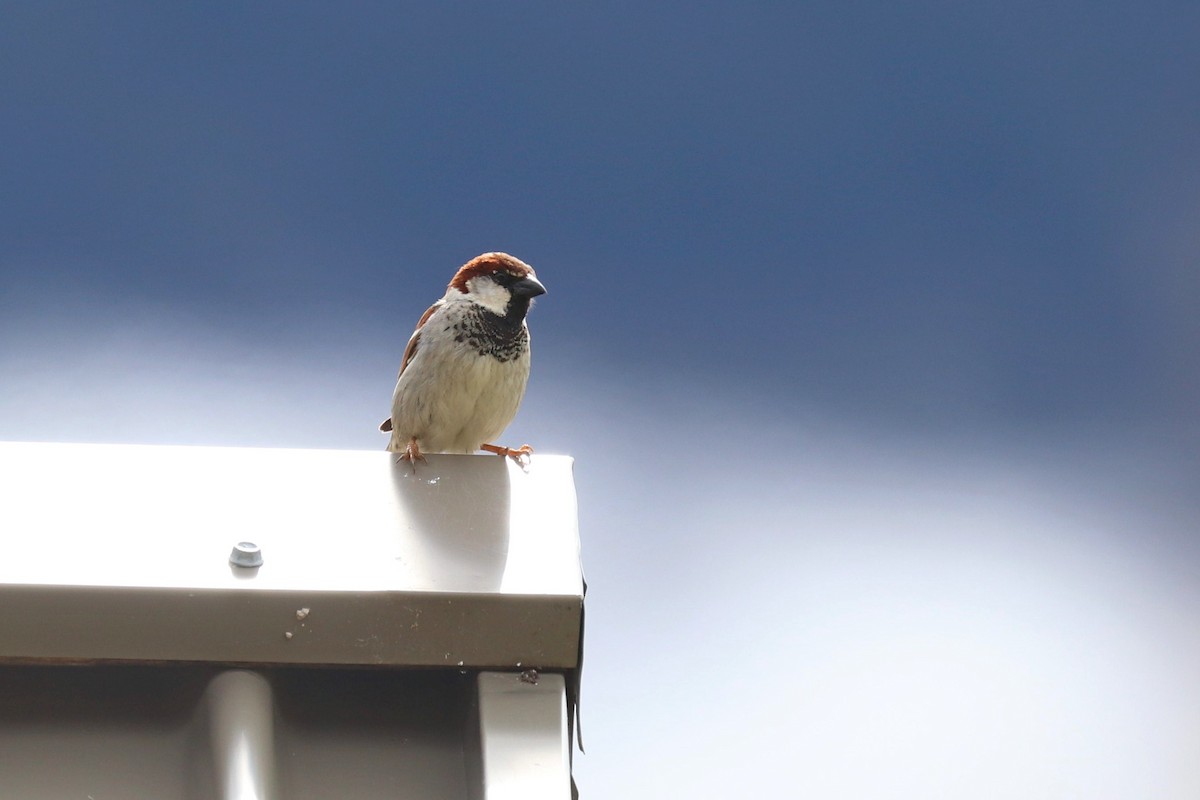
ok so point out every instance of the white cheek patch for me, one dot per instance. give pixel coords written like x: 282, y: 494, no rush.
x: 489, y: 294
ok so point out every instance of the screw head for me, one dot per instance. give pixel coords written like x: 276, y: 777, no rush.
x: 246, y: 554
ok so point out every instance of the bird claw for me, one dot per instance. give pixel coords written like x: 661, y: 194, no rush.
x: 519, y: 455
x: 412, y: 454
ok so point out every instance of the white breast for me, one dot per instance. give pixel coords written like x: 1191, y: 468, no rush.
x: 453, y: 399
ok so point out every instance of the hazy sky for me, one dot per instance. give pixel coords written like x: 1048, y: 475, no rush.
x: 872, y: 326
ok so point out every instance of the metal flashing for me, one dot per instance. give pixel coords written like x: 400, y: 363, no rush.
x: 122, y: 552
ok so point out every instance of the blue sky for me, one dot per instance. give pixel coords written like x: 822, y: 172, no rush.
x: 934, y: 262
x: 930, y: 213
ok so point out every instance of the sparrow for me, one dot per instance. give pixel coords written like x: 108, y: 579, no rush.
x: 464, y: 370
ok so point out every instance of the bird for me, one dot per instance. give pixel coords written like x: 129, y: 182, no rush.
x: 465, y: 368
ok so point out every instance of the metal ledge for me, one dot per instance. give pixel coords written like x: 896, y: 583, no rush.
x: 118, y: 552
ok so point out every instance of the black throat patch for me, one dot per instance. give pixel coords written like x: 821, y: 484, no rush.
x: 502, y: 338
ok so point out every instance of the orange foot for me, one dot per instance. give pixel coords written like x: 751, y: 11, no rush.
x: 412, y: 454
x: 520, y: 455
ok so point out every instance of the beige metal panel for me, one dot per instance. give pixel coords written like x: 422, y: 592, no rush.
x: 103, y: 733
x: 199, y: 733
x: 523, y: 739
x: 121, y: 552
x: 240, y: 712
x: 381, y: 628
x: 332, y: 520
x: 371, y: 734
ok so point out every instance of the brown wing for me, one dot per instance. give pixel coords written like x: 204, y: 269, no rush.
x: 409, y: 352
x: 411, y: 349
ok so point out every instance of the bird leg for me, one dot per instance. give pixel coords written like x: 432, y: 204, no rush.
x: 412, y: 453
x: 519, y: 455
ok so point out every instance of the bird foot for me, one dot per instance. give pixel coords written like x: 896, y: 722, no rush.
x: 412, y: 454
x: 519, y: 455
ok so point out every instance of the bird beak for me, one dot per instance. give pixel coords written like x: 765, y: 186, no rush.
x: 527, y: 287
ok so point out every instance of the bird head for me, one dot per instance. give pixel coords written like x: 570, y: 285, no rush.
x: 498, y: 282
